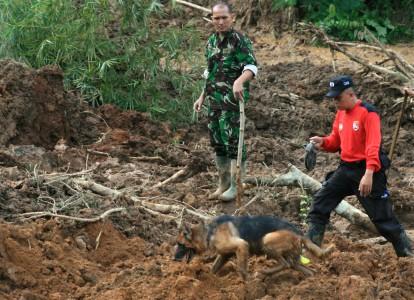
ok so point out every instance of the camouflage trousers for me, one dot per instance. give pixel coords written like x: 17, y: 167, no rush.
x: 224, y: 129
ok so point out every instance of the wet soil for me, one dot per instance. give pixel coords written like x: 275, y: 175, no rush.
x: 128, y: 256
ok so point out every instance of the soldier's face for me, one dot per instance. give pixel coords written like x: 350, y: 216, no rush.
x: 222, y: 18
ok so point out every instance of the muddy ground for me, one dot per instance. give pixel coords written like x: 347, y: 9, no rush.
x: 51, y: 141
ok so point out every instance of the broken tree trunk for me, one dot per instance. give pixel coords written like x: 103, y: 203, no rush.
x: 296, y: 178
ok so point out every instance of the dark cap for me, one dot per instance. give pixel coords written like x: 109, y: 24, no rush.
x: 339, y: 84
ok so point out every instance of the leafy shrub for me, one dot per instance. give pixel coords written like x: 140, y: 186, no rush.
x: 112, y: 51
x: 388, y: 20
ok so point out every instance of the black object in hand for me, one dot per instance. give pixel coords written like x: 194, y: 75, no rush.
x: 310, y: 156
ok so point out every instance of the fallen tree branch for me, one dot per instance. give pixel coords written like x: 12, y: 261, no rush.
x: 393, y: 55
x: 397, y: 75
x: 154, y: 159
x: 192, y: 5
x: 296, y: 178
x: 154, y: 207
x: 174, y: 177
x: 166, y: 218
x: 404, y: 71
x: 40, y: 214
x: 54, y: 177
x: 165, y: 209
x: 99, y: 153
x: 241, y: 209
x: 98, y: 188
x: 196, y: 165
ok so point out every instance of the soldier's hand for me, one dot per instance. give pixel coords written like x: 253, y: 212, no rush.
x: 317, y: 140
x: 198, y: 104
x: 238, y: 90
x: 365, y: 185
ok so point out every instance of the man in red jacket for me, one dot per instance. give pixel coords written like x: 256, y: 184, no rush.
x: 356, y: 133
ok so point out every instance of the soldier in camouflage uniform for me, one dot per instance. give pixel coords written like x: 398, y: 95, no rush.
x: 231, y: 64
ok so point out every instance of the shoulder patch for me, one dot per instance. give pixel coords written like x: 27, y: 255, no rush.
x: 369, y: 107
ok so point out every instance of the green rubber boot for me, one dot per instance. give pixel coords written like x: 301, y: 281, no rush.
x: 231, y: 193
x: 223, y: 167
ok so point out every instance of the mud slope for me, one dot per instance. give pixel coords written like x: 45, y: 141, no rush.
x: 128, y: 256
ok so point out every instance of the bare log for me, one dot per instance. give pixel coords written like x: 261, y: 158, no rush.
x: 296, y: 178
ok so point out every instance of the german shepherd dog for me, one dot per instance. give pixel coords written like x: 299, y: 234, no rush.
x: 241, y: 236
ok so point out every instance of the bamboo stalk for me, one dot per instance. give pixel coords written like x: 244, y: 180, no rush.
x: 397, y: 127
x: 239, y: 156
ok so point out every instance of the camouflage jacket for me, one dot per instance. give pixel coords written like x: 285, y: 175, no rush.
x: 227, y: 57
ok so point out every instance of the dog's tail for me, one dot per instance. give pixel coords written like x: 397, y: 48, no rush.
x: 314, y: 249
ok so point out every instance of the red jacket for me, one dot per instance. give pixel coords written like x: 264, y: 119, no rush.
x: 357, y: 133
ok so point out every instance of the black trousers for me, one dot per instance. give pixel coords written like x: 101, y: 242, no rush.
x: 343, y: 182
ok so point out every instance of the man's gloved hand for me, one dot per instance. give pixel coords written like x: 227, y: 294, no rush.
x: 310, y: 156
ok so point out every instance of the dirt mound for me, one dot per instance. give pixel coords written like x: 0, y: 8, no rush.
x: 36, y: 110
x: 48, y: 261
x: 51, y: 260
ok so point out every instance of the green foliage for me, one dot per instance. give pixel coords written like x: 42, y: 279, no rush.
x: 280, y: 4
x: 347, y: 20
x: 113, y: 51
x: 305, y: 204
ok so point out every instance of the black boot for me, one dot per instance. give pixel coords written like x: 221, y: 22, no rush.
x: 315, y: 233
x: 403, y: 247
